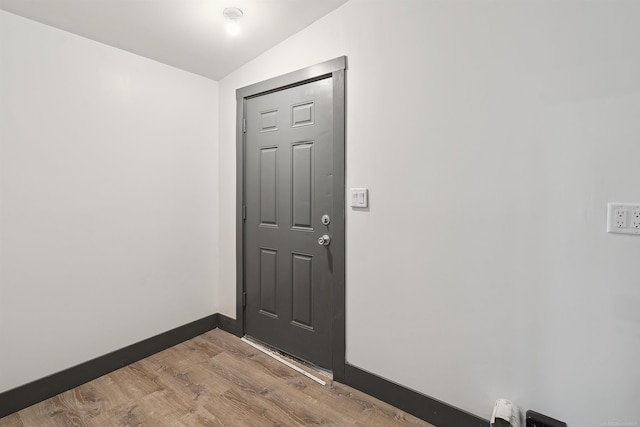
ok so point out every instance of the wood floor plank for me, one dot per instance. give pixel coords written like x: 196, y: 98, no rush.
x: 213, y: 380
x: 248, y: 393
x: 204, y: 418
x: 234, y: 347
x: 12, y: 420
x: 281, y: 397
x: 327, y: 400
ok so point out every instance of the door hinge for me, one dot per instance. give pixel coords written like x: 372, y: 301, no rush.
x: 244, y: 125
x: 244, y: 212
x: 244, y: 299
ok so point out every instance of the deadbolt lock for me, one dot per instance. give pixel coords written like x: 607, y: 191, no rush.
x: 325, y: 219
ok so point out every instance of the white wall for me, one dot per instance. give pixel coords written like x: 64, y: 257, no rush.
x: 491, y: 135
x: 108, y: 199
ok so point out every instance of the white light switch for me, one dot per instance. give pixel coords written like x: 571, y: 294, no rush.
x: 623, y: 218
x: 359, y: 198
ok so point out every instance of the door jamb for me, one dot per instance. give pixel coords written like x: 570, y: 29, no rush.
x: 335, y: 69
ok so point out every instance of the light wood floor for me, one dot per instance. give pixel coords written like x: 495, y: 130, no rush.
x: 212, y: 380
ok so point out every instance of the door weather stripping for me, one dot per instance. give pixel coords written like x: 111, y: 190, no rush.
x: 285, y: 362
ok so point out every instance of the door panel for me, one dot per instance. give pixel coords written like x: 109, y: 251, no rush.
x: 268, y: 186
x: 302, y: 290
x: 268, y: 281
x: 302, y: 185
x: 288, y: 188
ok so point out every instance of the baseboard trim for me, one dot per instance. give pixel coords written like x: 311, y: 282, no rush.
x: 424, y: 407
x: 26, y: 395
x: 228, y: 324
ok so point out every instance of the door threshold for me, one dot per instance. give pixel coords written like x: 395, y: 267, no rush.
x: 292, y: 362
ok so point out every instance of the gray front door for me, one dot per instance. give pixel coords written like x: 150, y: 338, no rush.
x: 289, y: 206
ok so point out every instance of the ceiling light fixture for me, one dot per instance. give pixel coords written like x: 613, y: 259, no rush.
x: 232, y: 15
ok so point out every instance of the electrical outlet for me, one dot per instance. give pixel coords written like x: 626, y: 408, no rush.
x: 635, y: 219
x: 623, y: 218
x: 620, y: 218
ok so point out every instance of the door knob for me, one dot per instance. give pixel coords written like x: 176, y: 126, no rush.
x: 324, y: 240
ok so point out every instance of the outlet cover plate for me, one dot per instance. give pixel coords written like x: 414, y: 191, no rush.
x: 622, y: 218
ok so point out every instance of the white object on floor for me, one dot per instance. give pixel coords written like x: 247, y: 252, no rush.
x: 280, y: 359
x: 505, y: 410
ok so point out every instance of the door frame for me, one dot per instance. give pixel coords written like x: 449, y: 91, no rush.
x: 335, y: 69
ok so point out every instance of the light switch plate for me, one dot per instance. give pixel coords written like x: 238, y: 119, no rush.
x: 623, y: 218
x: 359, y: 198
